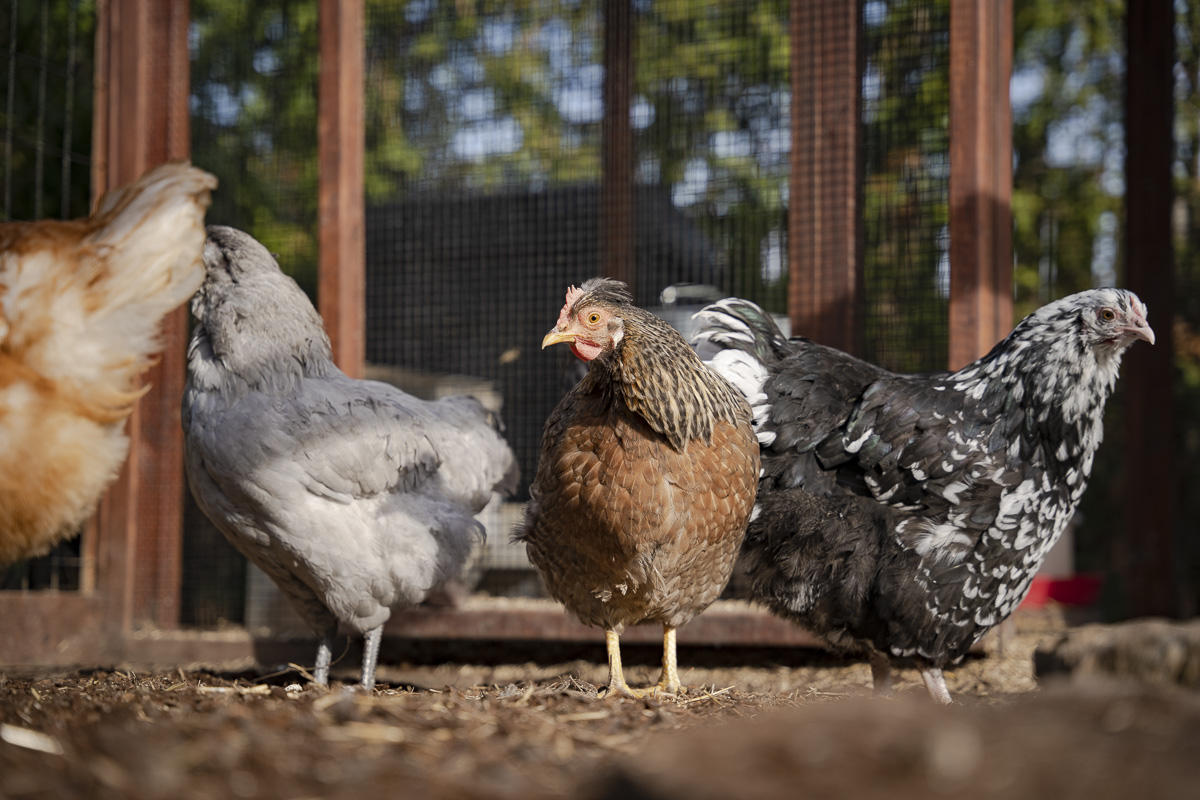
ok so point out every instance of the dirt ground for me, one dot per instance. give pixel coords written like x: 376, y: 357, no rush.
x: 751, y: 725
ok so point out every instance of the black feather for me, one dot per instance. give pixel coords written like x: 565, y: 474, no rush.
x: 907, y: 514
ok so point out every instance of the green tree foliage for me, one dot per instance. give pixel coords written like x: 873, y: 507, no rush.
x: 905, y: 194
x: 254, y: 111
x: 1068, y: 145
x: 487, y: 96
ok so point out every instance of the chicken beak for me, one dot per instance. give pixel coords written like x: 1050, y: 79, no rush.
x: 1140, y: 329
x: 556, y: 336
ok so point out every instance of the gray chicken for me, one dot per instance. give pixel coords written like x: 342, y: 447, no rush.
x: 354, y: 497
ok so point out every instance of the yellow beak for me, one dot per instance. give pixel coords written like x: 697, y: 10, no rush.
x: 557, y: 337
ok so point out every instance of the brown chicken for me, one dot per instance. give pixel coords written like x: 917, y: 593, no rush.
x: 645, y: 481
x: 80, y: 307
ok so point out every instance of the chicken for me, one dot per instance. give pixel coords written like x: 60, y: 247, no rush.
x: 354, y: 497
x: 81, y: 302
x: 905, y: 515
x: 645, y: 480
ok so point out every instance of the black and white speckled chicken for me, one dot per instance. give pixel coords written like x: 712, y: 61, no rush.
x: 906, y: 515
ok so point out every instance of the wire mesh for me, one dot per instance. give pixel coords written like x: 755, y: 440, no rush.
x: 487, y: 193
x: 906, y: 171
x: 487, y: 198
x: 46, y: 59
x: 254, y: 104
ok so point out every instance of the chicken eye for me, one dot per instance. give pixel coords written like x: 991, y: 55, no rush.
x: 593, y: 318
x: 1107, y: 314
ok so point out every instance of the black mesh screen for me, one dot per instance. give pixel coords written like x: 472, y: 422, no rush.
x: 46, y: 63
x: 493, y: 181
x: 254, y: 125
x: 906, y: 168
x: 485, y: 196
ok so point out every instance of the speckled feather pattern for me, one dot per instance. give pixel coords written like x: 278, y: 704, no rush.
x: 909, y: 514
x: 645, y: 481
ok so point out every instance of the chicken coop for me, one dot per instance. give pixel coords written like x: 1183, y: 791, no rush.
x: 435, y: 174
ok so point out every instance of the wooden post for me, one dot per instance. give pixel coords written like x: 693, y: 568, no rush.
x: 341, y: 235
x: 981, y: 45
x: 825, y: 293
x: 618, y: 254
x: 141, y: 120
x: 1151, y: 453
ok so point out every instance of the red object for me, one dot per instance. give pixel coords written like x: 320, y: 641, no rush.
x: 1075, y: 590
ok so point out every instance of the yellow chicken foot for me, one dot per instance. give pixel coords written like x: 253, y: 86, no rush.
x: 668, y: 682
x: 617, y: 687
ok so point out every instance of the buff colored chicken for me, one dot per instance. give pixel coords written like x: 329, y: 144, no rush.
x: 80, y: 307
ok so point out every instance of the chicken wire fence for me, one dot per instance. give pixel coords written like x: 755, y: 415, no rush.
x: 486, y: 148
x: 486, y: 193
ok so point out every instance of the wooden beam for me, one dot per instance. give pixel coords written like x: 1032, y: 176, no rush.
x: 825, y: 289
x: 727, y: 623
x: 981, y: 46
x: 1151, y: 446
x: 52, y: 629
x: 141, y: 120
x: 341, y: 242
x: 618, y: 252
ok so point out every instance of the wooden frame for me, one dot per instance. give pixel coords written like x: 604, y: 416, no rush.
x: 618, y: 258
x: 131, y: 549
x: 1151, y: 484
x: 981, y: 270
x: 825, y: 287
x: 131, y: 576
x: 341, y: 232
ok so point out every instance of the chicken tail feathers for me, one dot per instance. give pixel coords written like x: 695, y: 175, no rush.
x: 84, y: 300
x: 149, y: 237
x: 735, y: 324
x: 740, y: 342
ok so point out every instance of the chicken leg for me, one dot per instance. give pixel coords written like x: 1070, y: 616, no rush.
x: 935, y: 683
x: 617, y: 687
x: 324, y: 657
x: 881, y: 675
x: 669, y: 682
x: 370, y: 658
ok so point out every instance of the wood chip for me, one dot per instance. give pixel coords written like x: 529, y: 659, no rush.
x: 584, y: 716
x: 30, y: 740
x: 261, y: 688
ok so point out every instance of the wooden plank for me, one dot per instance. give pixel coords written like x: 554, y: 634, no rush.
x: 341, y: 242
x: 618, y: 254
x: 825, y: 294
x: 144, y: 80
x: 727, y: 623
x: 51, y: 629
x: 980, y: 177
x: 113, y: 524
x: 1151, y: 445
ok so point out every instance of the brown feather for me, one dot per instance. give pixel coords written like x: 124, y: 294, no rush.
x: 646, y: 478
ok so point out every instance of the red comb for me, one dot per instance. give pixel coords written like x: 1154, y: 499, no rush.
x: 573, y: 294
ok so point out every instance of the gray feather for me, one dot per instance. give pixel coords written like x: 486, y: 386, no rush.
x: 353, y: 496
